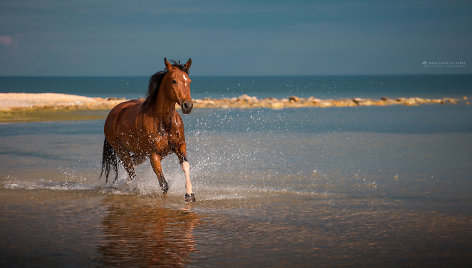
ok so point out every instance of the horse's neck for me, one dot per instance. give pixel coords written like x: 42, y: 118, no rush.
x: 163, y: 109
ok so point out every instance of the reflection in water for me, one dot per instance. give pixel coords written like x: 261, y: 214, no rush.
x: 141, y: 232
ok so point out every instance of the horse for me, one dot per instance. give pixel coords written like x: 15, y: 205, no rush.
x: 151, y: 128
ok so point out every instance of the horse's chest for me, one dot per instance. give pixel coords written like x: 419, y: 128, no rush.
x: 161, y: 143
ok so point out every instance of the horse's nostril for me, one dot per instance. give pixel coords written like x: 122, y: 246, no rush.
x: 187, y: 106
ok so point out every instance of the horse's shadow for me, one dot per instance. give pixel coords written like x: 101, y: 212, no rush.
x: 140, y: 232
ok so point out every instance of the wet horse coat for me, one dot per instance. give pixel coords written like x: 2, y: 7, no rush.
x: 151, y: 128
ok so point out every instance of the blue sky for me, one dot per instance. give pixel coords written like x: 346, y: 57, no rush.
x: 113, y: 38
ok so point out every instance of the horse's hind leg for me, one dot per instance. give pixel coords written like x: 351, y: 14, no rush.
x: 156, y: 166
x: 138, y: 159
x: 127, y: 162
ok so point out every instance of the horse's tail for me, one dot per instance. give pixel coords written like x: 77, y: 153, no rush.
x: 110, y: 159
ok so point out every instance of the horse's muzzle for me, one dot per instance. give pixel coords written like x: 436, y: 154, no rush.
x: 187, y: 107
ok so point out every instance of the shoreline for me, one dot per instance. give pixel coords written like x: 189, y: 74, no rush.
x: 27, y: 107
x: 246, y: 101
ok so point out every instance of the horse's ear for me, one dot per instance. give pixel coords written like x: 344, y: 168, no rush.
x: 187, y: 65
x: 168, y: 65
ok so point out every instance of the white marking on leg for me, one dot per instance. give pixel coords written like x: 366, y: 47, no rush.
x: 188, y: 184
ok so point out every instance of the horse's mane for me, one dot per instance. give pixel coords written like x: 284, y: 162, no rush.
x: 155, y: 84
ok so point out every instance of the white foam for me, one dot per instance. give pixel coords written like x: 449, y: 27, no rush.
x: 47, y: 185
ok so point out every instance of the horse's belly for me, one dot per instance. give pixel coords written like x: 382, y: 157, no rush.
x: 147, y: 145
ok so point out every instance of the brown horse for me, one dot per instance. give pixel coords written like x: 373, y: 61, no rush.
x: 138, y: 129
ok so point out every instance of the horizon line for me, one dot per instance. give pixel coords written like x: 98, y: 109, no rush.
x: 271, y: 75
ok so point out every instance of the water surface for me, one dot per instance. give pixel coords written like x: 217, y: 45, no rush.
x: 324, y: 87
x: 366, y: 186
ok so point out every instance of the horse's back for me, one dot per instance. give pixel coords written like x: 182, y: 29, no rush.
x: 122, y: 117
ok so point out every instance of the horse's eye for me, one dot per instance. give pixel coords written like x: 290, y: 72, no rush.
x: 174, y: 82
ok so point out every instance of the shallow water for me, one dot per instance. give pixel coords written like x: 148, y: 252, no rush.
x: 369, y: 186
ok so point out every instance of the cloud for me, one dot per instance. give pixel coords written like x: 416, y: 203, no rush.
x: 6, y: 40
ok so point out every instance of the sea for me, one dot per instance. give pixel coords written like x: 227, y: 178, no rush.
x: 299, y: 187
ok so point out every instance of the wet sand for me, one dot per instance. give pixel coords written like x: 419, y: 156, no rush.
x: 18, y: 107
x: 87, y: 228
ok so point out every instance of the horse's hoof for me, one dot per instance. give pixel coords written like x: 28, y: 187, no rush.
x: 165, y: 188
x: 189, y: 198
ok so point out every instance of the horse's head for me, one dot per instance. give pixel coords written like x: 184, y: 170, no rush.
x: 178, y: 84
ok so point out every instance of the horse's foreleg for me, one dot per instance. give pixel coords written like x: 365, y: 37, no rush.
x: 156, y: 166
x: 182, y: 155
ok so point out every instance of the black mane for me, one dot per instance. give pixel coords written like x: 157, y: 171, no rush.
x: 155, y: 83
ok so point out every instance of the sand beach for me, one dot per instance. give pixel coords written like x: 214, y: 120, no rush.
x: 16, y: 107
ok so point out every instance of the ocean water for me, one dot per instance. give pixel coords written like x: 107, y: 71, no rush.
x: 343, y: 187
x: 261, y: 87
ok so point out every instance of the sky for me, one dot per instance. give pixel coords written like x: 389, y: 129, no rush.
x: 233, y: 38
